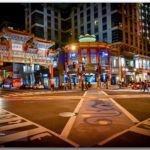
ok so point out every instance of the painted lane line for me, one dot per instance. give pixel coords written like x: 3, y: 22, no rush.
x: 45, y: 129
x: 124, y: 131
x: 69, y: 124
x: 110, y: 138
x: 128, y: 114
x: 141, y: 131
x: 8, y: 127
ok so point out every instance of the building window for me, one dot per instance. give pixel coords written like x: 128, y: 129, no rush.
x: 88, y: 12
x: 116, y: 19
x: 49, y: 34
x: 88, y: 4
x: 81, y: 8
x: 104, y: 27
x: 95, y: 8
x: 97, y: 38
x: 49, y: 24
x: 88, y: 26
x: 103, y: 5
x: 37, y: 18
x: 56, y: 13
x: 104, y: 12
x: 82, y: 30
x: 105, y: 37
x: 96, y: 25
x: 81, y: 18
x: 116, y: 36
x: 96, y: 15
x: 48, y: 11
x: 75, y: 11
x: 88, y: 18
x: 38, y: 31
x: 104, y: 20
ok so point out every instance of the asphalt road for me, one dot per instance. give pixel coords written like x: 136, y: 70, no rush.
x: 43, y: 108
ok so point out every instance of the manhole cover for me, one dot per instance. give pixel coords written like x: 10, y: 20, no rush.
x: 67, y: 114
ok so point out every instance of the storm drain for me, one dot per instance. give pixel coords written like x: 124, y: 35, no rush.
x: 67, y: 114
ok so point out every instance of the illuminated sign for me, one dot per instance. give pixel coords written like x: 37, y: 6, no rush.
x: 73, y: 55
x: 104, y: 54
x: 17, y: 47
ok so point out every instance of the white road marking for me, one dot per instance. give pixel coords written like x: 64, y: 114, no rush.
x: 71, y: 121
x: 39, y: 136
x: 128, y: 114
x: 146, y: 132
x: 5, y: 115
x: 10, y: 119
x: 141, y: 131
x: 19, y: 135
x: 8, y: 127
x: 39, y: 129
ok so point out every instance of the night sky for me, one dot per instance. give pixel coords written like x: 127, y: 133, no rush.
x: 12, y: 12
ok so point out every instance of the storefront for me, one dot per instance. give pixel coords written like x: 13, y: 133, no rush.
x: 89, y: 60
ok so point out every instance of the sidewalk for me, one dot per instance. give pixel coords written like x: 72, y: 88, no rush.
x: 98, y: 119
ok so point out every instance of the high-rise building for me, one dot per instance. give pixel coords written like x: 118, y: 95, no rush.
x: 110, y: 22
x: 125, y: 25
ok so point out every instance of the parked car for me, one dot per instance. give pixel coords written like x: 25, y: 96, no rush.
x: 136, y: 86
x: 7, y: 86
x: 38, y: 86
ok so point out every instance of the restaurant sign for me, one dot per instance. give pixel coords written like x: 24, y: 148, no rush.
x: 17, y: 47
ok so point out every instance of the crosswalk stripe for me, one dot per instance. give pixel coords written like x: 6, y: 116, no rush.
x: 5, y: 115
x: 23, y: 134
x: 8, y: 127
x: 10, y: 119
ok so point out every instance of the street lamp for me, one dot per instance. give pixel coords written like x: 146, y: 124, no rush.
x: 73, y: 47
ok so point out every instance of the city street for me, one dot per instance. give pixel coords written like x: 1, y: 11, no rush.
x: 93, y: 118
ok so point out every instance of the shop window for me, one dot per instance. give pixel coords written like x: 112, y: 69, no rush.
x: 84, y: 56
x: 103, y: 58
x: 93, y: 56
x: 122, y: 62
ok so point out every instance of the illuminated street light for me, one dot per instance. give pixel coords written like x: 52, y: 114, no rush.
x: 73, y: 47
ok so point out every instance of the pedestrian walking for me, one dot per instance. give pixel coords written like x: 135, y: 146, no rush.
x: 74, y: 85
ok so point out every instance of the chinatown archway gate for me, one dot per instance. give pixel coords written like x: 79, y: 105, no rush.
x: 18, y: 47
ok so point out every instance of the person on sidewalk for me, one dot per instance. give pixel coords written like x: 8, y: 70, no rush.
x: 145, y: 86
x: 119, y: 84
